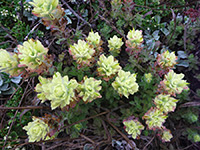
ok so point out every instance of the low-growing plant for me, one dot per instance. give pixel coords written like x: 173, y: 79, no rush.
x: 68, y: 94
x: 144, y: 89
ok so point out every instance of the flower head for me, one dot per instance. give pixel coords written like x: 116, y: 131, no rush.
x: 166, y: 135
x: 125, y: 83
x: 154, y: 118
x: 166, y: 59
x: 173, y: 83
x: 81, y: 52
x: 94, y: 38
x: 32, y: 54
x: 9, y: 63
x: 148, y: 77
x: 114, y: 45
x: 89, y: 89
x: 134, y: 42
x: 60, y: 90
x: 107, y: 66
x: 165, y: 103
x: 37, y: 130
x: 45, y: 8
x: 133, y: 127
x: 135, y: 37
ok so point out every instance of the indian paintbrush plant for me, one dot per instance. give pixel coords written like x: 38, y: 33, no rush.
x: 52, y: 15
x: 66, y: 93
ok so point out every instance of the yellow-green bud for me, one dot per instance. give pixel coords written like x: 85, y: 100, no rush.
x: 37, y: 130
x: 148, y: 77
x: 59, y: 90
x: 9, y: 63
x: 107, y: 66
x: 165, y: 103
x: 89, y: 89
x: 173, y: 83
x: 133, y: 127
x: 166, y: 59
x: 125, y: 83
x: 45, y: 8
x: 81, y: 52
x: 154, y: 118
x: 135, y: 37
x: 166, y: 135
x: 32, y: 54
x: 114, y: 45
x: 62, y: 91
x: 94, y: 38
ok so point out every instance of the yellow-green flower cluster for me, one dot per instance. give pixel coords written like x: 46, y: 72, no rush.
x: 148, y: 77
x: 165, y: 103
x: 37, y: 130
x: 135, y: 38
x: 154, y: 118
x: 107, y: 66
x: 60, y: 90
x: 114, y: 45
x: 9, y: 63
x: 81, y: 52
x: 173, y: 83
x: 45, y: 8
x: 32, y: 54
x: 166, y: 59
x: 89, y: 89
x: 133, y: 127
x: 166, y: 135
x: 94, y: 39
x: 125, y: 83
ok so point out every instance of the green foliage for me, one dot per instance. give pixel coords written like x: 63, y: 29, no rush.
x: 193, y: 135
x: 21, y: 119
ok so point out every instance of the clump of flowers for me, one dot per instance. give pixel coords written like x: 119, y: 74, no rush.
x: 60, y: 91
x: 125, y: 83
x: 165, y: 61
x: 165, y: 103
x: 33, y: 55
x: 135, y: 39
x: 37, y: 130
x: 173, y: 83
x: 133, y: 127
x: 166, y: 135
x: 46, y: 9
x: 82, y: 52
x: 148, y: 77
x: 154, y: 118
x: 89, y: 89
x: 108, y: 67
x: 94, y: 39
x: 9, y: 63
x: 114, y: 45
